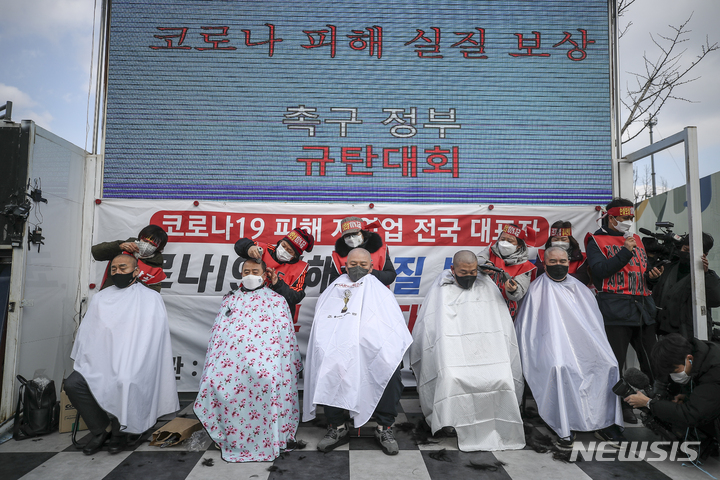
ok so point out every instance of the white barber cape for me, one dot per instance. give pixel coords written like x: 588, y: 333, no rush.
x: 466, y: 361
x: 567, y: 360
x: 357, y: 341
x: 123, y: 351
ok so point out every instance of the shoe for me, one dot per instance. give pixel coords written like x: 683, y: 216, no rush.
x: 117, y: 443
x: 566, y: 444
x: 334, y: 438
x: 629, y: 416
x: 449, y: 431
x: 95, y: 443
x: 612, y: 435
x: 386, y: 439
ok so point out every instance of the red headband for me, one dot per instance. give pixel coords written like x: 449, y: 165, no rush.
x: 621, y: 211
x: 561, y: 232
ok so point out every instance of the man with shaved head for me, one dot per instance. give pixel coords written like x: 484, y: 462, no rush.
x: 567, y: 358
x: 357, y: 342
x: 124, y: 377
x: 465, y: 358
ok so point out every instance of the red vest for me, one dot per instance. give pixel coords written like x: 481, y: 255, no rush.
x: 148, y: 275
x: 631, y: 279
x: 513, y: 271
x: 378, y: 259
x: 572, y: 267
x: 288, y: 272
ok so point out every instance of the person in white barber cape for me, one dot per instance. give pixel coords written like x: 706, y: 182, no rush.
x: 123, y: 377
x: 465, y: 358
x: 355, y: 349
x: 566, y: 356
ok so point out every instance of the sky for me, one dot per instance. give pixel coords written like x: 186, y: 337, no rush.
x: 47, y: 52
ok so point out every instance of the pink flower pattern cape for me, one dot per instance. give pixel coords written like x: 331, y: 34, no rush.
x: 248, y: 397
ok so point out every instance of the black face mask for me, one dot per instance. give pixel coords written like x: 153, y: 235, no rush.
x: 356, y: 273
x: 466, y: 282
x: 123, y: 280
x: 557, y: 272
x: 684, y: 257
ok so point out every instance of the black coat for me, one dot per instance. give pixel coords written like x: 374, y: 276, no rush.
x: 372, y: 243
x: 702, y: 404
x: 673, y: 297
x: 617, y: 309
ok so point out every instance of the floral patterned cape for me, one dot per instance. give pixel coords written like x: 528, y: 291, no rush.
x: 248, y: 397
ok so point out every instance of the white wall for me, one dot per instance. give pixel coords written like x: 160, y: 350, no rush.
x: 52, y: 275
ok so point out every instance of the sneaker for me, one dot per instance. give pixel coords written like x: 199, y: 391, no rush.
x: 566, y: 444
x: 334, y: 438
x: 386, y: 439
x: 612, y: 435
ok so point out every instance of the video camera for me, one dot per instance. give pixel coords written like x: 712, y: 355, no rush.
x: 661, y: 247
x: 634, y: 381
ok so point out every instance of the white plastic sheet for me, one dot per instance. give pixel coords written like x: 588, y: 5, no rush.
x: 466, y: 360
x: 567, y: 360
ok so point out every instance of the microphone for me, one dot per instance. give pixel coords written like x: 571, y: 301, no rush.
x: 636, y: 379
x: 645, y: 231
x: 632, y: 381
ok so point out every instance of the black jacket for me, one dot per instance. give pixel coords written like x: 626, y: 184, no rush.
x: 617, y: 309
x: 673, y: 295
x: 294, y: 293
x: 703, y: 391
x: 372, y: 243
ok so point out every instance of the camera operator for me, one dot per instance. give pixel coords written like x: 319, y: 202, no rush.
x: 618, y: 266
x: 694, y: 370
x: 673, y: 292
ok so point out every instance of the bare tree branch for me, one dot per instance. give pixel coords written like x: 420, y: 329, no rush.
x: 655, y: 87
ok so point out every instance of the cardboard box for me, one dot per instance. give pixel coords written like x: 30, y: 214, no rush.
x: 68, y: 414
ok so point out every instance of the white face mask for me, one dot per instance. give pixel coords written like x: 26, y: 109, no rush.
x: 252, y: 282
x: 624, y: 226
x: 145, y: 249
x: 283, y: 255
x: 682, y: 378
x: 353, y: 241
x: 565, y: 245
x: 506, y: 248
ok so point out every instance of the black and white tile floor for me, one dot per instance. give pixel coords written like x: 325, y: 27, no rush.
x: 54, y: 457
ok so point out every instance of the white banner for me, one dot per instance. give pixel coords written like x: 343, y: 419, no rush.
x: 201, y: 264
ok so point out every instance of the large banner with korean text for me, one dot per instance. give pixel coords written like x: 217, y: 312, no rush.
x: 424, y: 102
x: 201, y: 264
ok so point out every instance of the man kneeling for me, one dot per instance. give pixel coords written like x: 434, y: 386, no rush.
x: 357, y: 342
x: 466, y: 361
x: 567, y: 359
x: 124, y: 377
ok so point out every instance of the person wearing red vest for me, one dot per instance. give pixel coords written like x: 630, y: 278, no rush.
x: 561, y: 236
x: 285, y: 270
x: 619, y: 269
x: 147, y: 249
x: 354, y: 234
x: 510, y: 253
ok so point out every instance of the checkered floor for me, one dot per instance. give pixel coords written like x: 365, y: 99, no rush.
x: 54, y: 456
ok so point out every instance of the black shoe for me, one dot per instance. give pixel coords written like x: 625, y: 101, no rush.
x: 95, y: 443
x: 117, y: 443
x: 566, y: 444
x: 612, y: 435
x: 629, y: 416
